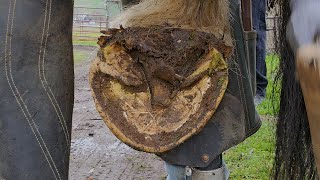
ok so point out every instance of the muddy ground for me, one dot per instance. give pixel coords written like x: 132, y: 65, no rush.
x: 95, y: 151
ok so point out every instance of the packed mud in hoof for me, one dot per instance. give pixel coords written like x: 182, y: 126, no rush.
x: 156, y: 87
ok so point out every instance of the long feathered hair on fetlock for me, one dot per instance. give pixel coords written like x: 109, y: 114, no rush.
x: 206, y: 15
x: 294, y: 156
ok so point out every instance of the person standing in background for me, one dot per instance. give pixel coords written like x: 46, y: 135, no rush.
x: 259, y: 24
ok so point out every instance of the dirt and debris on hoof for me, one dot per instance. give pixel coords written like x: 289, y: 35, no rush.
x: 156, y: 87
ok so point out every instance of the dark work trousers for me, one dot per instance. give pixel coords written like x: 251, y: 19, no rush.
x: 259, y: 24
x: 36, y: 89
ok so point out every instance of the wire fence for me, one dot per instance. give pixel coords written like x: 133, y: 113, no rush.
x: 89, y: 21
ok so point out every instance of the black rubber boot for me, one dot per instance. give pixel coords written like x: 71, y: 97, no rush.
x: 36, y: 88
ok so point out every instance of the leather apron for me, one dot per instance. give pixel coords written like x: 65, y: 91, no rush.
x: 36, y: 88
x: 236, y: 117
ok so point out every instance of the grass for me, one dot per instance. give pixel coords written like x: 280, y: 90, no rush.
x: 90, y: 3
x: 268, y: 107
x: 88, y: 39
x: 91, y: 35
x: 88, y: 36
x: 85, y: 43
x: 80, y: 56
x: 253, y: 158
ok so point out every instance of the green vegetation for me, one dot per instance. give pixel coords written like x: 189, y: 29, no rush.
x: 270, y: 106
x: 80, y: 56
x: 92, y: 35
x: 253, y: 159
x: 88, y: 36
x: 89, y: 3
x: 85, y: 43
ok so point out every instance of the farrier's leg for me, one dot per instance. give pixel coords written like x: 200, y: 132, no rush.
x: 259, y: 24
x: 36, y: 88
x: 175, y: 172
x: 217, y: 170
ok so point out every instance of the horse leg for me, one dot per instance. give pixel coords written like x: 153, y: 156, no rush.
x: 308, y: 73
